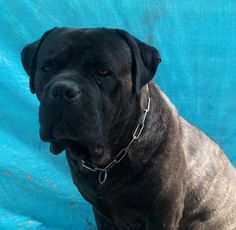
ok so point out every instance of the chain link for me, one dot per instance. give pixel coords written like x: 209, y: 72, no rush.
x: 137, y: 132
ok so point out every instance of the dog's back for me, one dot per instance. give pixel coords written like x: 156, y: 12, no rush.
x: 211, y: 197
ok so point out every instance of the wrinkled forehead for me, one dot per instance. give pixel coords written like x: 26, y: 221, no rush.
x: 87, y: 43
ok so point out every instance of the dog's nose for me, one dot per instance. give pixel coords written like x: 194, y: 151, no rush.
x: 64, y: 90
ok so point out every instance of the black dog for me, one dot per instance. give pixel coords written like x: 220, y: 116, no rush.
x: 138, y: 163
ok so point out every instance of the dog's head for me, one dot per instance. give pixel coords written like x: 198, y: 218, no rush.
x: 86, y: 80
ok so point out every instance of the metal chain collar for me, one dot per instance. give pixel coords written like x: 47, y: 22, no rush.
x: 103, y: 171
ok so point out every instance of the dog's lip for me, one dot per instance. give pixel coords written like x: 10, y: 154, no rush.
x: 56, y: 148
x: 57, y: 132
x: 59, y: 145
x: 60, y: 141
x: 93, y: 154
x: 76, y: 147
x: 44, y: 134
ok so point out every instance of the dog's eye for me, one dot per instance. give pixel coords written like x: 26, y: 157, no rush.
x: 103, y: 72
x: 49, y: 66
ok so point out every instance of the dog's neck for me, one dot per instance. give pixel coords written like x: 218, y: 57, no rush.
x: 153, y: 130
x: 129, y: 117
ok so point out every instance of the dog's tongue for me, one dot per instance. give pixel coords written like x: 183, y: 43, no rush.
x: 56, y: 148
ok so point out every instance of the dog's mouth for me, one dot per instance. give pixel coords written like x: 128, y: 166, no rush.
x: 62, y: 136
x: 58, y: 146
x: 76, y: 148
x: 78, y: 151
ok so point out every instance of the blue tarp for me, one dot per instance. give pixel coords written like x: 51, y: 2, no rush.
x: 197, y: 42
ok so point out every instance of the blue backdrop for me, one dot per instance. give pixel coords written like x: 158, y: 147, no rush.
x: 197, y: 42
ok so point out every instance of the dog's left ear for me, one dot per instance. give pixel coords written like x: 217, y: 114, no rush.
x: 145, y: 61
x: 29, y: 58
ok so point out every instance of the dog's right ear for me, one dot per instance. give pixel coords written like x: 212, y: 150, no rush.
x: 145, y: 61
x: 29, y: 58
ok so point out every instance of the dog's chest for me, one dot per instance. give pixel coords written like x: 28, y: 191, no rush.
x: 127, y: 217
x: 128, y: 211
x: 131, y: 220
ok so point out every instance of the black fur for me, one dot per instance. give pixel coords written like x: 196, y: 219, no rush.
x: 85, y: 80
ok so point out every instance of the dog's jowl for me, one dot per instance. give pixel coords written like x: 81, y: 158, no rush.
x: 140, y: 164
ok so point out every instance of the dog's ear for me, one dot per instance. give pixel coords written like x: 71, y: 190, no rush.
x: 145, y: 61
x: 29, y: 58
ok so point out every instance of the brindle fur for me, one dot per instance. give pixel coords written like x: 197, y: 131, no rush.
x: 199, y: 192
x: 174, y: 176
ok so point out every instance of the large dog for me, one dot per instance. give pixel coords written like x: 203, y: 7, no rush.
x: 140, y: 164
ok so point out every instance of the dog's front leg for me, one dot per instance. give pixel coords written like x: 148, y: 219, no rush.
x: 102, y: 222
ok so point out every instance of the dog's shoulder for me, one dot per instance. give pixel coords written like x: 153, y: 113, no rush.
x: 211, y: 179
